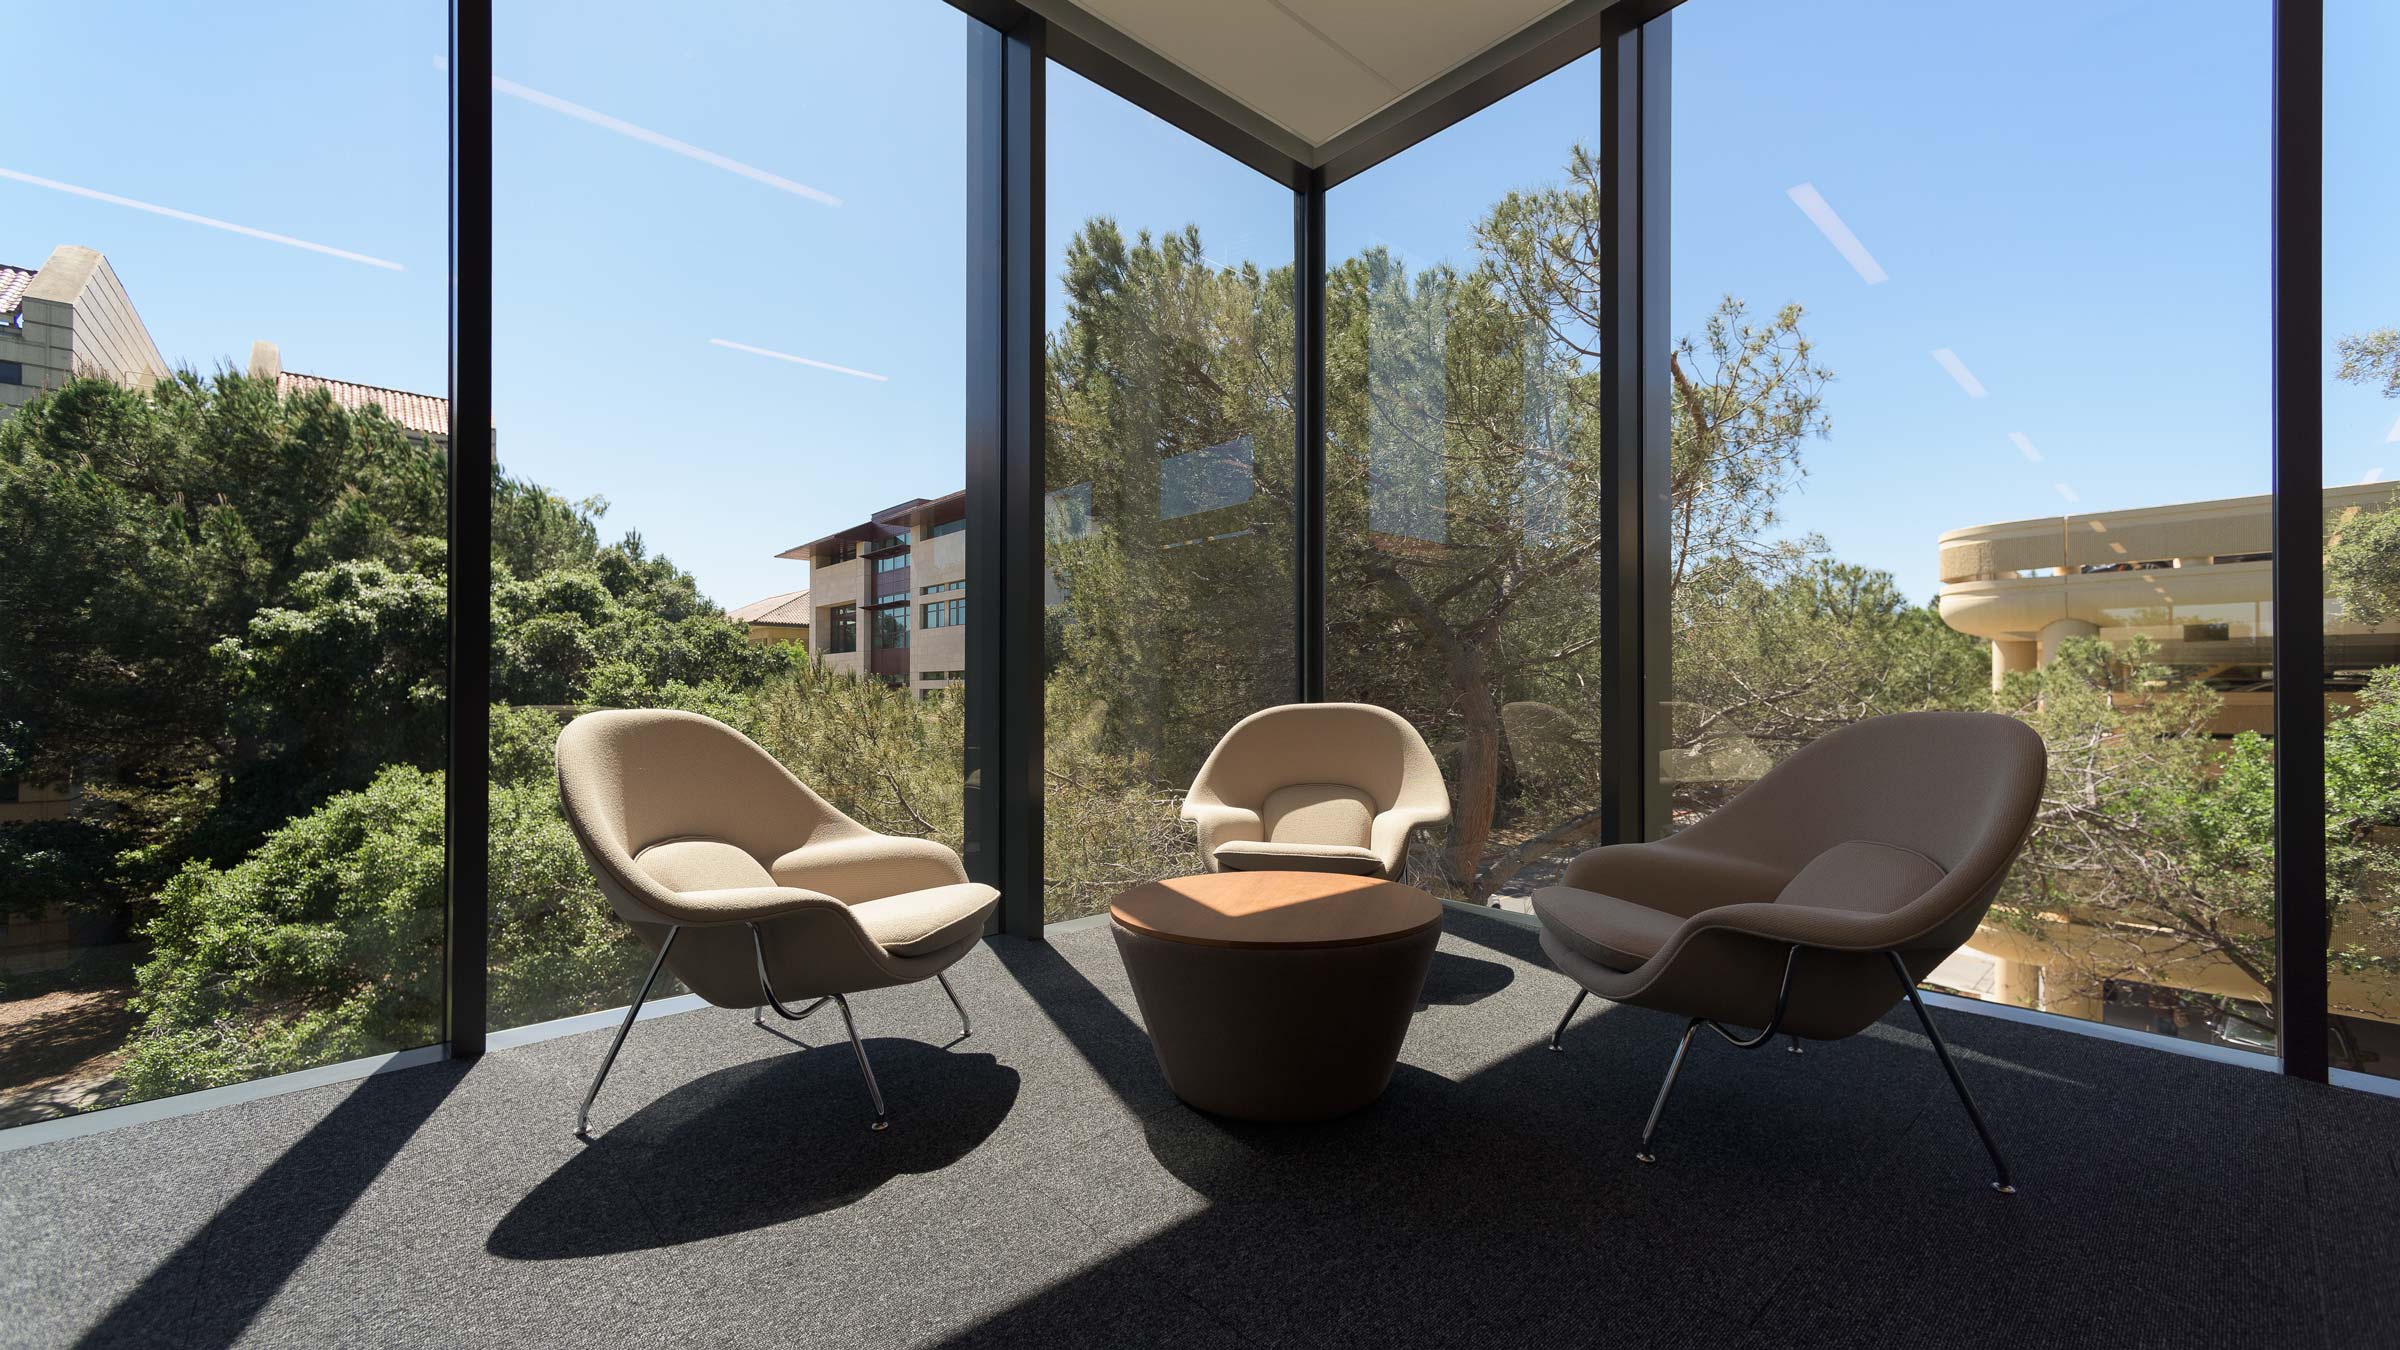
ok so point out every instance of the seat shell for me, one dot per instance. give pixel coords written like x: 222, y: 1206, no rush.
x: 687, y: 824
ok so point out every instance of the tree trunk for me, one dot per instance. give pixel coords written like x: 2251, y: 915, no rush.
x: 1478, y: 775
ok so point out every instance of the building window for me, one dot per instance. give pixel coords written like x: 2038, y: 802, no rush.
x: 12, y: 372
x: 841, y: 629
x: 892, y: 562
x: 945, y: 613
x: 947, y: 527
x: 891, y: 629
x: 943, y: 588
x: 839, y: 553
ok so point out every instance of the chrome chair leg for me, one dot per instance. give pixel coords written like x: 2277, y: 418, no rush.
x: 788, y: 1015
x: 966, y: 1027
x: 766, y: 990
x: 583, y: 1117
x: 1783, y: 1003
x: 1674, y: 1067
x: 1793, y: 1047
x: 766, y: 987
x: 1561, y: 1029
x: 874, y: 1093
x: 1966, y: 1099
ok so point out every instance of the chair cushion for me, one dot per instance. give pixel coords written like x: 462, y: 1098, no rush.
x: 702, y: 865
x: 916, y: 923
x: 1253, y: 855
x: 1862, y: 877
x: 1318, y: 813
x: 1618, y: 934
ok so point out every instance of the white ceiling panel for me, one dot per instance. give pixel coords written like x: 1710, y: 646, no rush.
x: 1411, y: 43
x: 1315, y: 68
x: 1259, y: 55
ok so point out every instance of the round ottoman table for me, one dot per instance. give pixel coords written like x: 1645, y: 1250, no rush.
x: 1277, y: 996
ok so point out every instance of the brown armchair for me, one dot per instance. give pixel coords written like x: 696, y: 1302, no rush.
x: 1815, y: 900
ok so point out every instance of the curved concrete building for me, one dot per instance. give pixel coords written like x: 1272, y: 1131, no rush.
x: 2195, y: 578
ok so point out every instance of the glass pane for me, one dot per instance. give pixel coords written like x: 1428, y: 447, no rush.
x: 222, y: 643
x: 729, y: 358
x: 1954, y: 428
x: 2362, y: 529
x: 1462, y: 512
x: 1169, y: 474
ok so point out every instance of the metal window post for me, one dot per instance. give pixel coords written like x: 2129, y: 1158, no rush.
x: 1308, y: 416
x: 2302, y: 929
x: 1635, y: 428
x: 466, y: 785
x: 1005, y: 428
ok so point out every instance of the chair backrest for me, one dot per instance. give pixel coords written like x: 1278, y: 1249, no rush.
x: 1342, y: 745
x: 633, y: 778
x: 1959, y: 788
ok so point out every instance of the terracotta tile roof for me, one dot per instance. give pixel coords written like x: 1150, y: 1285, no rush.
x: 791, y: 607
x: 13, y: 281
x: 421, y: 413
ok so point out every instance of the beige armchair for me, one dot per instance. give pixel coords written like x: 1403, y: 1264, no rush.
x: 1316, y: 787
x: 751, y: 888
x: 1816, y: 899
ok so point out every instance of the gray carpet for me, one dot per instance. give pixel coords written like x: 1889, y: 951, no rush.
x: 1039, y: 1186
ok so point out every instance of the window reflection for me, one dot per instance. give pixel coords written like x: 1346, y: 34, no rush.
x: 795, y: 292
x: 1875, y: 353
x: 1463, y: 476
x: 223, y: 647
x: 1168, y: 504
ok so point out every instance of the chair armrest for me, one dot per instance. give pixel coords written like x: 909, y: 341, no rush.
x: 1804, y: 925
x: 1222, y: 824
x: 1388, y: 836
x: 744, y: 904
x: 1678, y: 880
x: 869, y: 866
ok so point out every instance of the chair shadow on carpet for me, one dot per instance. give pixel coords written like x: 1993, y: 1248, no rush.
x: 757, y: 1145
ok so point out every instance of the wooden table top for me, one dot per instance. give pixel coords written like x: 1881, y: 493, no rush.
x: 1276, y: 909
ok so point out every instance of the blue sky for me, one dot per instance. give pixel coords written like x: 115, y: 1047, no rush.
x: 2076, y: 209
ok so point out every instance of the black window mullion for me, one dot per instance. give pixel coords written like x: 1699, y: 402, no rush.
x: 466, y: 803
x: 1005, y: 135
x: 2302, y: 929
x: 1634, y: 434
x: 1308, y: 417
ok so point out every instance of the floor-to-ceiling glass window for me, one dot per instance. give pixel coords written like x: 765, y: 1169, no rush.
x: 1168, y: 473
x: 1462, y: 510
x: 1971, y: 410
x: 223, y: 346
x: 2362, y: 526
x: 729, y: 345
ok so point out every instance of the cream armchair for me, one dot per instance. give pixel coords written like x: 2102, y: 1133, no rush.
x: 752, y: 889
x: 1316, y: 787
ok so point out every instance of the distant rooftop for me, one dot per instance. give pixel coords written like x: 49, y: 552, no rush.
x: 424, y: 414
x: 791, y: 607
x: 883, y: 524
